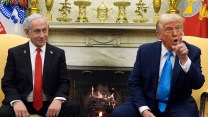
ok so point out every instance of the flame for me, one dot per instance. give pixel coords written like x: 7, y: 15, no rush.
x: 100, y: 95
x: 105, y: 96
x: 92, y: 90
x: 100, y: 114
x: 112, y: 96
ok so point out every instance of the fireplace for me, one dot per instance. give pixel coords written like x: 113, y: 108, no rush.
x: 110, y: 49
x: 98, y: 89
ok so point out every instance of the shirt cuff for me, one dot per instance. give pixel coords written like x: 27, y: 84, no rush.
x: 186, y: 66
x: 60, y: 98
x: 143, y: 108
x: 12, y: 102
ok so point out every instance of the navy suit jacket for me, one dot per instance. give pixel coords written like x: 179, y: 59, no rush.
x: 17, y: 81
x: 143, y: 81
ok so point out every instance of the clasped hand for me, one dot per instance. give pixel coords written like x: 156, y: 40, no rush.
x: 53, y: 110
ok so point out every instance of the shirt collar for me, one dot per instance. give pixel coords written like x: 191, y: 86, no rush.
x: 33, y: 47
x: 165, y: 50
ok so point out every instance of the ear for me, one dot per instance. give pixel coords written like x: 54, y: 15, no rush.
x: 26, y: 31
x: 159, y: 35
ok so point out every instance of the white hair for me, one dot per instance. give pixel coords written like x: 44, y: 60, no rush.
x: 31, y: 18
x: 164, y: 18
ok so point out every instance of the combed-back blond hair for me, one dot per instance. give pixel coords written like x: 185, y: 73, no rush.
x: 164, y: 18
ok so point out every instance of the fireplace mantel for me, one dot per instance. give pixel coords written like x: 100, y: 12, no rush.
x: 101, y: 44
x: 120, y: 26
x: 100, y: 34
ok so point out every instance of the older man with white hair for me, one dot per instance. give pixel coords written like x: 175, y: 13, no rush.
x: 164, y: 74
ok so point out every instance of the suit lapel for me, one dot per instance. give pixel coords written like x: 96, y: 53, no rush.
x: 48, y: 57
x: 155, y: 64
x: 176, y: 71
x: 27, y: 61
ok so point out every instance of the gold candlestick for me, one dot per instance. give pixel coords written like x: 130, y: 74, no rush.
x: 34, y: 7
x: 103, y: 12
x: 173, y: 6
x: 82, y: 10
x: 156, y: 6
x: 121, y: 11
x: 64, y: 9
x: 141, y: 11
x: 49, y: 4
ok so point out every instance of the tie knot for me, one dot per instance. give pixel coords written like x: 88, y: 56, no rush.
x: 169, y: 53
x: 38, y: 50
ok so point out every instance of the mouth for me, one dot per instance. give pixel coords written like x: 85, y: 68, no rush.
x: 175, y: 41
x: 42, y: 40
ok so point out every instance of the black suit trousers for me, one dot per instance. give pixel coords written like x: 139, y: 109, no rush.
x: 68, y: 109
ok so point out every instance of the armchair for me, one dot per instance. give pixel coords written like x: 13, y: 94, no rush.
x: 201, y: 95
x: 7, y: 41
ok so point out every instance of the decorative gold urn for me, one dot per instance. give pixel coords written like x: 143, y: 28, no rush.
x: 156, y: 6
x: 102, y: 12
x: 49, y: 4
x: 34, y: 7
x: 121, y: 11
x: 173, y: 4
x: 82, y: 10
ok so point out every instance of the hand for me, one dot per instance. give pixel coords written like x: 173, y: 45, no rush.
x: 20, y: 109
x: 182, y: 52
x: 54, y: 108
x: 147, y: 113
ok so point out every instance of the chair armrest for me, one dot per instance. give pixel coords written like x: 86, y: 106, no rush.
x: 203, y: 99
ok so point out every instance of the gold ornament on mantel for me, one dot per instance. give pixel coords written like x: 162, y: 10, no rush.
x: 141, y: 11
x: 102, y: 12
x: 156, y: 6
x: 34, y: 7
x: 65, y: 9
x: 82, y: 10
x: 49, y: 4
x: 173, y: 4
x: 121, y: 11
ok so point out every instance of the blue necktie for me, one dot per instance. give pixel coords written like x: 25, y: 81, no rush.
x: 164, y: 85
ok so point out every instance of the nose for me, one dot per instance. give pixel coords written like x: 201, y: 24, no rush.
x: 42, y: 34
x: 175, y: 32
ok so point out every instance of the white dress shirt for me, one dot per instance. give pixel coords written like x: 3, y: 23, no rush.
x: 33, y: 53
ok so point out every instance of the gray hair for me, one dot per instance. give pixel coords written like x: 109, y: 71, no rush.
x: 164, y: 18
x: 31, y: 18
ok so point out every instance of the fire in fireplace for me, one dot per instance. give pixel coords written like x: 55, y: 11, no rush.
x: 98, y: 89
x: 101, y: 101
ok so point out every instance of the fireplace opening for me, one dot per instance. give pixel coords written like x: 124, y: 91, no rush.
x: 98, y: 89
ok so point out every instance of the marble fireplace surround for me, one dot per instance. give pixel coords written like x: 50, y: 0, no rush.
x: 101, y: 44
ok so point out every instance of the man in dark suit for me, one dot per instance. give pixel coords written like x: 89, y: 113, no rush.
x: 19, y: 80
x: 145, y: 79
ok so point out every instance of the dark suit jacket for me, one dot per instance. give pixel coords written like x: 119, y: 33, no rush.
x: 17, y: 81
x: 143, y: 80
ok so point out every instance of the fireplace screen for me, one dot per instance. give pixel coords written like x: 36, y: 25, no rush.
x: 99, y: 90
